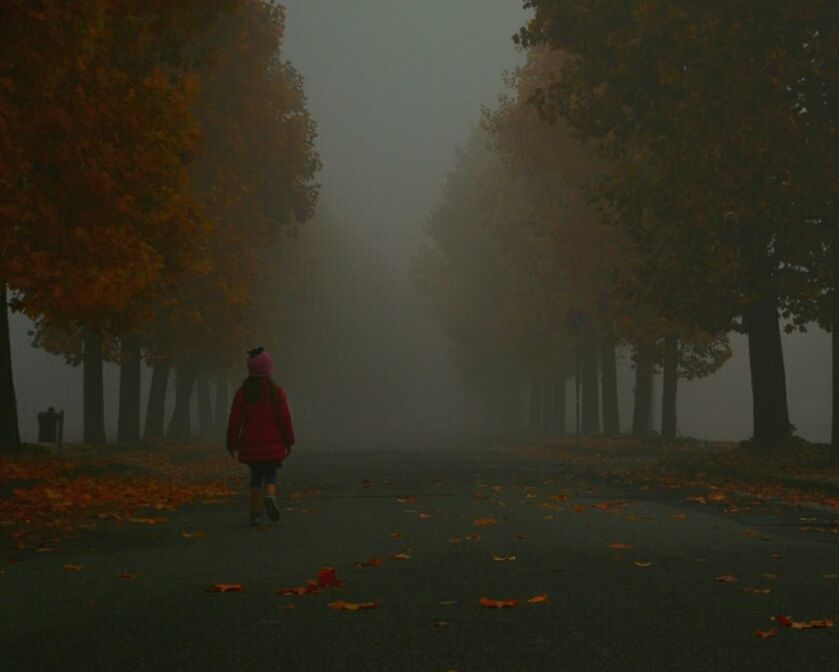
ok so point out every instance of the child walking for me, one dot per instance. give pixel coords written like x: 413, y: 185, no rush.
x: 259, y: 430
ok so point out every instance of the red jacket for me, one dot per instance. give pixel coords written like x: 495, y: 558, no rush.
x: 260, y: 430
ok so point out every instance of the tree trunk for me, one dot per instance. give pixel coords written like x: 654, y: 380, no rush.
x: 128, y: 430
x: 547, y: 405
x: 834, y: 306
x: 590, y: 391
x: 766, y: 361
x: 642, y: 411
x: 558, y: 400
x: 179, y: 425
x: 9, y: 428
x: 609, y: 388
x: 535, y: 417
x: 222, y: 403
x: 205, y: 410
x: 93, y: 390
x: 670, y: 384
x: 156, y: 408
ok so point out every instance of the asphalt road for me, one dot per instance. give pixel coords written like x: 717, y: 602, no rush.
x: 603, y: 611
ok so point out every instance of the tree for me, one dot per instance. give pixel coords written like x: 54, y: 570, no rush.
x: 694, y: 104
x: 94, y: 193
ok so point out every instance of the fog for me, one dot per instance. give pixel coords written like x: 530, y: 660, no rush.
x: 394, y: 88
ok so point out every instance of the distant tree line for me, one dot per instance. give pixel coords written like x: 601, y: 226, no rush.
x: 659, y: 175
x: 152, y: 155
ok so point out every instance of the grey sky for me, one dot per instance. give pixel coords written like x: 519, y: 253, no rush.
x: 394, y: 85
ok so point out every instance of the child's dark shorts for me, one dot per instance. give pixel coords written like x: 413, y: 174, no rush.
x: 263, y: 473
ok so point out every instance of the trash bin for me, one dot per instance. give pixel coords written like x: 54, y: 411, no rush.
x: 48, y: 426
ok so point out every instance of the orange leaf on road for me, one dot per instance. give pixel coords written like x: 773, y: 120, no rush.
x: 498, y: 604
x: 227, y: 588
x: 484, y: 522
x: 341, y: 605
x: 72, y: 568
x: 372, y: 562
x: 538, y: 599
x: 766, y: 634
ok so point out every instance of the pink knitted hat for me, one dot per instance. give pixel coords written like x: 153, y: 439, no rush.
x: 259, y: 363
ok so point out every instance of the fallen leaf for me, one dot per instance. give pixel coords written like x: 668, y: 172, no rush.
x: 498, y: 604
x: 766, y: 634
x: 726, y: 578
x: 341, y: 605
x: 787, y: 622
x: 502, y: 558
x: 227, y: 588
x: 577, y: 508
x: 400, y: 556
x: 609, y: 505
x: 148, y: 521
x: 716, y: 496
x: 126, y: 575
x: 372, y: 562
x: 198, y: 534
x: 639, y: 563
x: 395, y: 535
x: 678, y: 516
x: 484, y: 522
x: 73, y: 568
x: 327, y: 578
x: 538, y: 599
x: 776, y: 556
x: 806, y: 625
x: 424, y: 516
x: 473, y: 537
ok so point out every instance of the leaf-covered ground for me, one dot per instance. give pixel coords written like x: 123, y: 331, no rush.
x: 421, y: 557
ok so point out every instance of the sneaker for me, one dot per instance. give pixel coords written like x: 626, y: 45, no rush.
x: 271, y: 507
